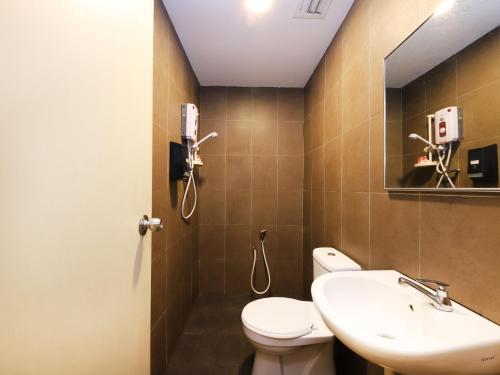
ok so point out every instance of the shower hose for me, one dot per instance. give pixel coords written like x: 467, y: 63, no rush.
x: 265, y: 263
x: 184, y: 197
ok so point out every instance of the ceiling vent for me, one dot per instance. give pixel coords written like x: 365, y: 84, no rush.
x: 314, y: 9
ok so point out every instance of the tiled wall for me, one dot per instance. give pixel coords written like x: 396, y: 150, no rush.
x: 450, y: 238
x: 471, y: 80
x: 174, y: 273
x: 395, y: 177
x: 252, y: 179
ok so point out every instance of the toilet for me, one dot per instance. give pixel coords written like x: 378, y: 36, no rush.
x: 289, y: 335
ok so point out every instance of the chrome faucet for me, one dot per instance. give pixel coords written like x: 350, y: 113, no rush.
x: 439, y: 299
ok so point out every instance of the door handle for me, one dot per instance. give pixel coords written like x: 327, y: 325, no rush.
x: 154, y: 224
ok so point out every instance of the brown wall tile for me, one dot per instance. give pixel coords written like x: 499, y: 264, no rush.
x: 238, y: 172
x: 355, y: 165
x: 291, y: 138
x: 263, y: 131
x: 290, y: 172
x: 317, y: 219
x: 264, y: 172
x: 212, y: 207
x: 212, y: 238
x: 212, y: 275
x: 466, y: 255
x: 213, y: 103
x: 159, y: 347
x: 355, y: 108
x: 212, y: 175
x: 479, y: 63
x: 389, y: 248
x: 333, y: 164
x: 238, y: 276
x: 238, y: 206
x: 174, y: 252
x: 239, y: 135
x: 290, y: 104
x: 217, y: 145
x: 290, y: 207
x: 265, y: 104
x: 158, y: 287
x: 333, y: 112
x: 289, y: 242
x: 264, y: 207
x: 333, y: 62
x: 333, y: 219
x: 238, y: 245
x: 239, y: 103
x: 355, y: 227
x: 264, y: 138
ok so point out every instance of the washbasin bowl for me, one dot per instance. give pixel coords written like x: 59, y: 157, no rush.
x: 398, y: 328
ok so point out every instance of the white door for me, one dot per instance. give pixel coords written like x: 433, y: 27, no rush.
x: 75, y: 177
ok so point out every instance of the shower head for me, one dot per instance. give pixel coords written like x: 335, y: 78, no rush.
x: 211, y: 135
x: 262, y: 234
x: 416, y: 136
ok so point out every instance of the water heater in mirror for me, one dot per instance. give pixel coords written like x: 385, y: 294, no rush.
x: 448, y: 124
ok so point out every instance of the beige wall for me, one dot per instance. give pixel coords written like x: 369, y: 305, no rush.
x: 174, y: 266
x: 252, y: 179
x: 471, y: 80
x: 449, y: 238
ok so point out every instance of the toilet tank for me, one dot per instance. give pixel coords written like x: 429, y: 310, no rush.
x: 328, y: 259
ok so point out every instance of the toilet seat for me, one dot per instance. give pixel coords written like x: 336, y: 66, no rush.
x: 310, y: 328
x: 278, y: 317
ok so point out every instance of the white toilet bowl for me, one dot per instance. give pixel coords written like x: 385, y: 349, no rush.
x: 289, y: 336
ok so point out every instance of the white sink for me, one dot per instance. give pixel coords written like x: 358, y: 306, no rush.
x: 398, y: 328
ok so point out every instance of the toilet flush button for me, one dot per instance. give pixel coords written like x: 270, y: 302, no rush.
x: 330, y: 254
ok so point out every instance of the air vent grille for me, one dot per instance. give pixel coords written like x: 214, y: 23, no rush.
x: 312, y: 9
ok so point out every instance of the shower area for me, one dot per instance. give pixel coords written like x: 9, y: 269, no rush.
x: 251, y: 180
x: 249, y: 217
x: 248, y: 174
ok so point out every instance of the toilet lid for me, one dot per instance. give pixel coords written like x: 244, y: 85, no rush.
x: 278, y: 317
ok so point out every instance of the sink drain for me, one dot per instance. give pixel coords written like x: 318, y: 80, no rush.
x: 386, y: 336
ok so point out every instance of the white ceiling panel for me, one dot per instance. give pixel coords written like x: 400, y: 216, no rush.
x: 229, y: 46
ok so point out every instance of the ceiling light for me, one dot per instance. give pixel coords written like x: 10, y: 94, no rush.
x: 258, y: 6
x: 444, y: 7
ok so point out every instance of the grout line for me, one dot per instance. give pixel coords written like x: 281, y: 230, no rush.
x: 341, y: 41
x: 419, y: 233
x: 323, y: 242
x: 252, y: 129
x: 224, y: 291
x: 277, y: 177
x: 163, y: 314
x: 370, y: 124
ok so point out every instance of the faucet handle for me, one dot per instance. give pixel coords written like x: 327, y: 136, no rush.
x: 442, y: 286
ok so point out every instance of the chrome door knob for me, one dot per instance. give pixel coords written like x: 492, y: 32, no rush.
x: 154, y: 224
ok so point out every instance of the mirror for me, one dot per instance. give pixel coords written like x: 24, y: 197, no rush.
x: 442, y: 101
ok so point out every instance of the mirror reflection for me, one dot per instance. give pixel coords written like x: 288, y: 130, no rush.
x: 443, y: 101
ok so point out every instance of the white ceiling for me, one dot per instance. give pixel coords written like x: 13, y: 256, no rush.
x: 227, y: 48
x: 440, y: 37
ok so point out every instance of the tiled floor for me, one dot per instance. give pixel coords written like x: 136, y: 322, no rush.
x: 213, y: 342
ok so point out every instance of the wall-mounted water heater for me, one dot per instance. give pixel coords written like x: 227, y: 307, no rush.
x: 448, y: 125
x: 189, y: 120
x: 184, y: 158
